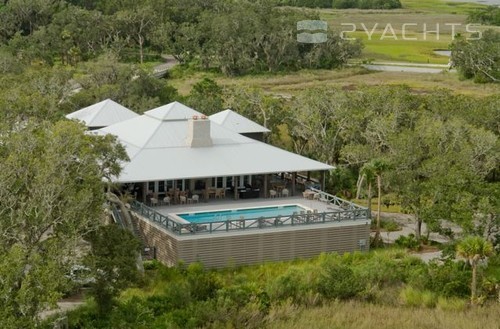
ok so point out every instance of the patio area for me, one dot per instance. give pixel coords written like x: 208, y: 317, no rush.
x: 314, y: 208
x: 227, y: 203
x: 330, y: 224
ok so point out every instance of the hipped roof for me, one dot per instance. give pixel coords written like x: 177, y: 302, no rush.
x: 158, y: 150
x: 103, y: 114
x: 238, y: 123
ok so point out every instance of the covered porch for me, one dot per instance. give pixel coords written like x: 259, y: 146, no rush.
x: 210, y: 190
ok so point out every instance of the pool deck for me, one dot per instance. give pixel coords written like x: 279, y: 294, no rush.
x: 222, y: 204
x: 225, y: 243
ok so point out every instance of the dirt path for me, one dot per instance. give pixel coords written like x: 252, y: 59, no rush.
x: 408, y: 226
x: 64, y: 305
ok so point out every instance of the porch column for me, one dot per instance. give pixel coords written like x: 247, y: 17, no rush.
x: 144, y: 191
x: 205, y: 192
x: 175, y: 192
x: 294, y: 183
x: 235, y: 187
x: 322, y: 180
x: 265, y: 186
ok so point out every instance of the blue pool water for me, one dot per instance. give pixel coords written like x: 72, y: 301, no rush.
x: 250, y: 213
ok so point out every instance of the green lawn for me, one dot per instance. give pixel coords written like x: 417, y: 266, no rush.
x: 386, y: 47
x: 415, y: 17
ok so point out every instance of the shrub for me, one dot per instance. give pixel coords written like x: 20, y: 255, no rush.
x: 451, y: 304
x: 194, y: 315
x: 242, y: 294
x: 339, y: 281
x: 151, y: 265
x: 388, y: 268
x: 417, y: 298
x: 174, y: 296
x: 297, y: 284
x: 132, y: 314
x: 388, y: 225
x: 448, y: 279
x: 409, y: 242
x: 203, y: 284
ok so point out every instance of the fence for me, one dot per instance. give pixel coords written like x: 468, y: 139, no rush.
x: 349, y: 212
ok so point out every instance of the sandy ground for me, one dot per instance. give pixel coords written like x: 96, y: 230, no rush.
x: 408, y: 226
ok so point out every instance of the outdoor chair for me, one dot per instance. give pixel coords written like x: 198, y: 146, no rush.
x: 272, y: 193
x: 284, y: 192
x: 183, y: 199
x: 196, y: 198
x: 166, y: 200
x: 316, y: 215
x: 220, y: 193
x: 153, y: 201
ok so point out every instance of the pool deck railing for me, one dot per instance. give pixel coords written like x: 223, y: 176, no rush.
x: 348, y: 211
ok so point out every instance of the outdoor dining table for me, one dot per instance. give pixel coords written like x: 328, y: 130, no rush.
x: 309, y: 194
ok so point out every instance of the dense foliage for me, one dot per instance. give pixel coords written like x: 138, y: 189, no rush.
x: 478, y: 58
x: 251, y: 297
x: 343, y: 4
x: 51, y: 198
x: 441, y: 152
x: 488, y: 16
x: 111, y: 261
x: 233, y: 37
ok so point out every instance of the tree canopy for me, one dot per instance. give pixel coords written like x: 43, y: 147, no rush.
x: 52, y: 196
x: 478, y: 58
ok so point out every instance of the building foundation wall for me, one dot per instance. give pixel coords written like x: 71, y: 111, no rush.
x: 245, y: 248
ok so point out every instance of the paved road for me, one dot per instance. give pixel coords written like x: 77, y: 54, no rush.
x: 482, y: 2
x: 161, y: 69
x: 410, y: 69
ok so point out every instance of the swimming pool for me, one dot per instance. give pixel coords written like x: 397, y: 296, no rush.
x: 242, y: 213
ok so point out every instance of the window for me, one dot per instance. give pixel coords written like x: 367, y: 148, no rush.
x: 218, y: 182
x: 178, y: 184
x: 199, y: 184
x: 151, y: 186
x: 161, y: 186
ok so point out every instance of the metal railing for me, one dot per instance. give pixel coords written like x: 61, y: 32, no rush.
x: 117, y: 217
x: 349, y: 212
x: 336, y: 201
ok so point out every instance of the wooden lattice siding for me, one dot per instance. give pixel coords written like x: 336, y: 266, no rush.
x: 221, y: 250
x: 154, y: 236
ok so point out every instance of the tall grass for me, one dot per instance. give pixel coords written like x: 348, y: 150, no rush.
x: 357, y: 315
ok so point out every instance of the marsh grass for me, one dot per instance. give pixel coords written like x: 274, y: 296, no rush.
x: 292, y: 83
x: 357, y: 315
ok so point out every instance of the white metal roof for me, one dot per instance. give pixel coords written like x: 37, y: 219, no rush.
x: 103, y: 114
x: 157, y: 147
x: 237, y: 122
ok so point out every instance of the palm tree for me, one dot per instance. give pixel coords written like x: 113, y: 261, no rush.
x: 367, y: 173
x: 379, y: 167
x: 474, y: 248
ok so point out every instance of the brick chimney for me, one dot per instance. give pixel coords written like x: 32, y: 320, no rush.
x: 199, y: 132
